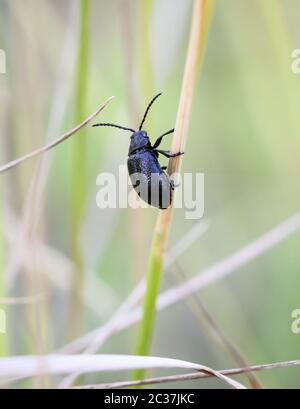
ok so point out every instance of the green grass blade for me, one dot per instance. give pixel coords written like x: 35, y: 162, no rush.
x: 79, y: 189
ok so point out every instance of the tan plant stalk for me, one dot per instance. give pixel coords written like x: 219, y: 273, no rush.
x: 200, y: 21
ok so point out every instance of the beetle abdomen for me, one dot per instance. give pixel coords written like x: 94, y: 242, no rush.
x: 151, y: 183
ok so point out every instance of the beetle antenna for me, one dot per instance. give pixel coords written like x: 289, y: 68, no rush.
x: 115, y: 126
x: 148, y: 108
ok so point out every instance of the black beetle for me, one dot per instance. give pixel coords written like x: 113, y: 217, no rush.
x: 148, y: 178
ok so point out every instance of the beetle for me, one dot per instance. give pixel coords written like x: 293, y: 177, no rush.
x: 148, y: 177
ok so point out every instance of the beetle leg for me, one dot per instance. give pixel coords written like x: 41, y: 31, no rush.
x: 164, y: 167
x: 159, y: 139
x: 173, y: 185
x: 168, y: 154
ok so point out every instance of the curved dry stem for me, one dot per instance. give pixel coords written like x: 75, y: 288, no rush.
x: 64, y: 137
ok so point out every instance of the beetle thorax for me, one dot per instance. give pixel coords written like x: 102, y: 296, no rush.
x: 138, y: 140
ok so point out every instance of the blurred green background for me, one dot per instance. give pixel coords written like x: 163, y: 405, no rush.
x: 244, y: 136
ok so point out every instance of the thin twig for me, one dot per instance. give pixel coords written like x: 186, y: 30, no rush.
x: 191, y: 376
x: 56, y: 142
x: 21, y: 300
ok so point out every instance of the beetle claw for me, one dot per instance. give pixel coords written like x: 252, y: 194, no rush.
x: 174, y: 185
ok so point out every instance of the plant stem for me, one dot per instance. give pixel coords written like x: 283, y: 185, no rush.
x: 202, y: 11
x: 147, y: 81
x: 191, y: 376
x: 79, y: 190
x: 10, y: 165
x: 3, y: 337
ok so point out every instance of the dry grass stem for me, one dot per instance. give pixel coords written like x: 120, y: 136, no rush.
x: 200, y: 17
x: 56, y: 142
x: 191, y: 376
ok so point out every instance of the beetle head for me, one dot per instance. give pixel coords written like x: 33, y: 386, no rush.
x: 138, y: 140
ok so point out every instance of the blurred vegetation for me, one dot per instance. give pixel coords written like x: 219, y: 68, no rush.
x: 244, y: 136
